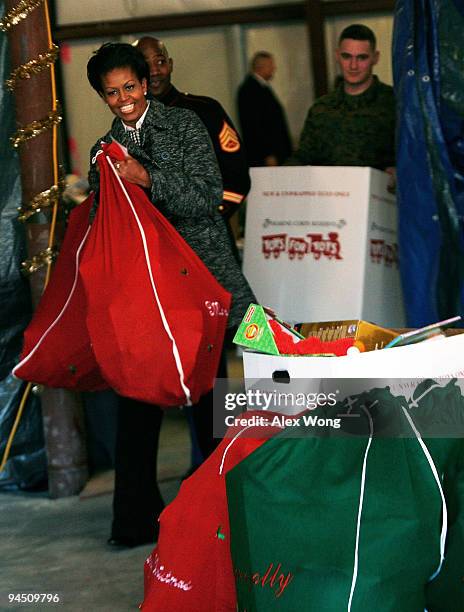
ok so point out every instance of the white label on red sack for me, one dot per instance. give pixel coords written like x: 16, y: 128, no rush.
x: 164, y: 575
x: 215, y: 309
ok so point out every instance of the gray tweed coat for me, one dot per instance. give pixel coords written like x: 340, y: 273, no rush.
x: 186, y: 187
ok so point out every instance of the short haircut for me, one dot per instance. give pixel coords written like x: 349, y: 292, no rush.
x: 357, y: 31
x: 111, y: 56
x: 151, y: 41
x: 257, y: 57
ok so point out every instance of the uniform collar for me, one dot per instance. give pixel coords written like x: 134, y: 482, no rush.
x: 362, y: 99
x: 169, y: 98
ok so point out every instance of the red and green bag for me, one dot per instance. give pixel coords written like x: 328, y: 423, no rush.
x: 331, y: 522
x: 190, y: 569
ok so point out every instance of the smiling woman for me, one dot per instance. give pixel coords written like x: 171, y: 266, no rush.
x: 120, y: 75
x: 125, y: 94
x: 169, y: 153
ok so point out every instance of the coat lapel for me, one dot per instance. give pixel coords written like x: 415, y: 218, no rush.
x: 154, y: 123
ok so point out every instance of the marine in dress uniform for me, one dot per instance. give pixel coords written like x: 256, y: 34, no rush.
x: 227, y: 144
x: 233, y: 166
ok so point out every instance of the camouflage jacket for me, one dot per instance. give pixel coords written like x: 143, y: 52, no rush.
x: 344, y: 130
x: 186, y: 187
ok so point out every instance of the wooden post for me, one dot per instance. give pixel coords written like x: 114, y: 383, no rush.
x: 315, y: 26
x: 30, y: 38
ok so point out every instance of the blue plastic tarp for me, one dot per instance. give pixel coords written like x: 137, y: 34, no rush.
x: 428, y: 73
x: 26, y: 467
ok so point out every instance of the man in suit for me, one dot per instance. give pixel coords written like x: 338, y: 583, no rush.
x: 262, y: 118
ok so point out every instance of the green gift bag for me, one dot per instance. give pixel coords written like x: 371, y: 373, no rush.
x: 446, y: 592
x: 326, y: 522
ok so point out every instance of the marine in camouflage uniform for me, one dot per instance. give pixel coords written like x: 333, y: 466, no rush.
x: 350, y: 130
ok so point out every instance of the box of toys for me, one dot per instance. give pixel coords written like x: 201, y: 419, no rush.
x: 255, y: 331
x: 342, y: 350
x: 368, y: 337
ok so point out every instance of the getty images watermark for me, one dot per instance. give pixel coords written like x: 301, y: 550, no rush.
x: 280, y: 420
x: 270, y: 409
x: 390, y: 408
x: 256, y: 399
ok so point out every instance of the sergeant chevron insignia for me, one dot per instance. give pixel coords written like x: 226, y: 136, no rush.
x: 228, y: 139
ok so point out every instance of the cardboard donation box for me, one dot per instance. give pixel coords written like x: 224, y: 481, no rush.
x: 321, y: 244
x: 439, y: 358
x: 372, y: 358
x: 401, y: 370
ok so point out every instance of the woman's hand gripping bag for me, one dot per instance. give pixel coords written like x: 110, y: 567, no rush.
x: 190, y: 569
x: 57, y: 350
x: 154, y: 333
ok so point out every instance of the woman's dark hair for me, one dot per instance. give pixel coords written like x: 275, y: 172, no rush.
x: 115, y: 55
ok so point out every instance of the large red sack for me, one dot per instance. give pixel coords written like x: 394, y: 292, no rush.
x: 57, y: 351
x: 154, y: 331
x: 154, y: 314
x: 190, y: 568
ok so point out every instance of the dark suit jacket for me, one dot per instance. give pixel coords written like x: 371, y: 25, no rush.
x: 263, y: 122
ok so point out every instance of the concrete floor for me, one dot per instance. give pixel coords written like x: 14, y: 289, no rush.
x: 59, y: 546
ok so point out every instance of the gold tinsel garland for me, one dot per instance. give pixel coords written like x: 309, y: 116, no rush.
x: 25, y: 71
x: 48, y: 256
x: 33, y: 66
x: 45, y: 257
x: 18, y: 13
x: 35, y: 128
x: 41, y: 200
